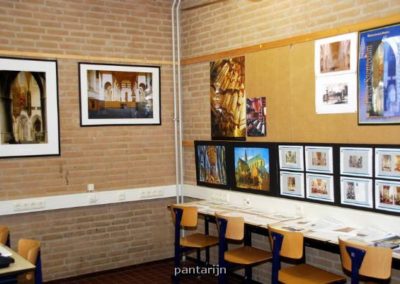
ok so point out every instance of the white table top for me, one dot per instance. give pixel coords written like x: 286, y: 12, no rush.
x: 20, y: 264
x: 326, y: 230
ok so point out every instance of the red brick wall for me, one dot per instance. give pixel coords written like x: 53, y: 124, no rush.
x: 114, y: 157
x: 89, y: 239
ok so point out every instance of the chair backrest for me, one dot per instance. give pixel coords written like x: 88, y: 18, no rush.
x: 234, y: 227
x: 30, y: 250
x: 4, y: 235
x: 377, y: 262
x: 292, y: 244
x: 189, y: 215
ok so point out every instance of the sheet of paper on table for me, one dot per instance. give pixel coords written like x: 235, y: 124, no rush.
x: 4, y: 252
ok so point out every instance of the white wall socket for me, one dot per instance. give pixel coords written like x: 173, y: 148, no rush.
x: 90, y: 187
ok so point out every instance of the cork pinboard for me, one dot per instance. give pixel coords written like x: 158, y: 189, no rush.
x: 285, y: 76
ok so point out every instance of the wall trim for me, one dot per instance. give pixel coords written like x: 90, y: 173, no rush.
x: 86, y: 58
x: 47, y: 203
x: 392, y: 19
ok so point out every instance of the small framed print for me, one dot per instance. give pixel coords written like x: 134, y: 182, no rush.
x: 319, y: 159
x: 387, y: 195
x: 356, y: 192
x: 292, y: 184
x: 291, y: 158
x: 387, y: 163
x: 356, y: 161
x: 320, y: 187
x: 211, y: 164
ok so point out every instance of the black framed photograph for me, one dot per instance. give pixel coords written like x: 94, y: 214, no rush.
x: 387, y: 195
x: 356, y: 192
x: 291, y: 157
x: 319, y: 159
x: 387, y: 163
x: 211, y: 164
x: 356, y: 161
x: 378, y: 80
x: 119, y: 94
x: 254, y: 167
x: 29, y: 108
x: 320, y: 187
x: 292, y: 184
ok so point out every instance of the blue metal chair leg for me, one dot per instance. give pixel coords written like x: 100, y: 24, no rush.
x: 276, y: 258
x: 357, y: 257
x: 222, y: 247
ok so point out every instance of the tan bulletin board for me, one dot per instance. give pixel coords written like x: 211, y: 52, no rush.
x: 285, y: 76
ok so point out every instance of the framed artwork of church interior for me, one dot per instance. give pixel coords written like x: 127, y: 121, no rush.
x: 28, y: 108
x: 119, y: 94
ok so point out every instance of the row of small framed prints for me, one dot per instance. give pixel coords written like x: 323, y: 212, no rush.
x: 360, y: 176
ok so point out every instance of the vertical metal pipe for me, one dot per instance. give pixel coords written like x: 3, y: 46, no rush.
x: 176, y: 128
x: 178, y: 37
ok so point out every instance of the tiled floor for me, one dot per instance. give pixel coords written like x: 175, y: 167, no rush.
x: 156, y: 272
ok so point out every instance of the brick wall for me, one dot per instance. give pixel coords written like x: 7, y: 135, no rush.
x: 232, y: 24
x: 85, y: 240
x: 113, y: 157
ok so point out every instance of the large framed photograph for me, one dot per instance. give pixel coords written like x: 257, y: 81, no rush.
x: 253, y: 163
x: 228, y: 99
x: 387, y: 163
x: 320, y: 187
x: 29, y: 108
x: 119, y: 94
x: 291, y: 157
x: 356, y: 192
x: 319, y: 159
x: 211, y: 164
x: 336, y: 55
x: 379, y: 77
x: 356, y: 161
x: 387, y: 195
x: 292, y: 184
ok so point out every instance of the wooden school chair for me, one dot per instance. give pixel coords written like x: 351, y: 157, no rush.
x: 366, y: 262
x: 290, y: 245
x: 4, y: 236
x: 30, y: 250
x: 231, y: 228
x: 186, y: 217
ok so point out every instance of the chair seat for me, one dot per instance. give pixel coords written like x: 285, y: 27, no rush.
x: 198, y: 241
x: 307, y: 274
x: 247, y: 255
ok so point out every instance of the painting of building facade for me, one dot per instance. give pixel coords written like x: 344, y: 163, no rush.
x: 119, y: 94
x: 252, y: 168
x: 227, y: 99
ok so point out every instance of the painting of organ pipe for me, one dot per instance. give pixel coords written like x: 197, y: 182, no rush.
x: 227, y: 99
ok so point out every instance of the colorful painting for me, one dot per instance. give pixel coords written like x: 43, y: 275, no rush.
x: 252, y: 168
x: 211, y: 164
x: 119, y: 94
x: 256, y: 117
x: 387, y: 195
x: 28, y: 108
x: 227, y: 99
x: 379, y: 76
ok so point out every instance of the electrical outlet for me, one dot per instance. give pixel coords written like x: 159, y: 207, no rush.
x: 121, y: 196
x: 90, y: 187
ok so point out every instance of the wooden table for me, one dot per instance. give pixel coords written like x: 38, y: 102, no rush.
x: 19, y: 266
